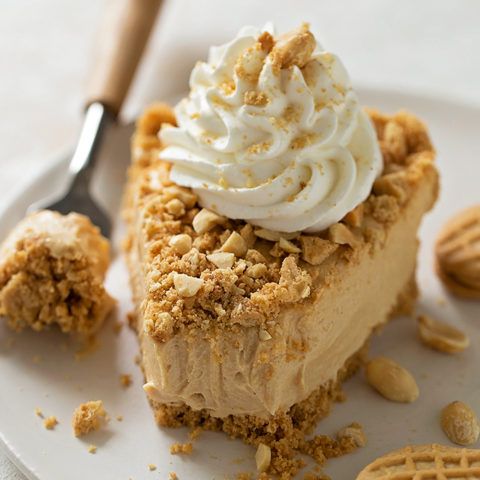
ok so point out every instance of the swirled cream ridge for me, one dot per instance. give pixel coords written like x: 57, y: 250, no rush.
x: 273, y: 133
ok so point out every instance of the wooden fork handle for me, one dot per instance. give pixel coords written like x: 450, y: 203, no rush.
x: 120, y: 46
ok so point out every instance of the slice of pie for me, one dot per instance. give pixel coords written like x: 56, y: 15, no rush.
x: 272, y: 228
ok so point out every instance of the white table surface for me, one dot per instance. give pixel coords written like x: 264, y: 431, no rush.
x: 432, y: 46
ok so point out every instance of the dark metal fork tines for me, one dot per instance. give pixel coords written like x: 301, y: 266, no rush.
x: 78, y: 197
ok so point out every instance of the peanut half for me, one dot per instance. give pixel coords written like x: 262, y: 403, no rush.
x: 460, y: 423
x: 441, y: 336
x: 391, y: 380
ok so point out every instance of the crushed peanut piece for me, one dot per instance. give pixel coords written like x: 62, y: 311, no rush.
x: 175, y: 207
x: 316, y: 250
x: 263, y: 457
x: 50, y: 422
x: 391, y: 380
x: 273, y: 236
x: 188, y: 198
x: 441, y: 336
x: 460, y: 423
x: 88, y: 417
x: 264, y: 335
x: 205, y: 220
x: 222, y: 259
x: 342, y: 235
x: 235, y: 244
x: 181, y: 243
x: 186, y: 285
x: 181, y: 448
x: 354, y: 218
x: 288, y: 246
x: 293, y: 48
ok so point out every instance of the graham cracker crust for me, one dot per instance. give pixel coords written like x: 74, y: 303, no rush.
x: 286, y: 432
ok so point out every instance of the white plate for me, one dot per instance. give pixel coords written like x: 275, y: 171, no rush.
x: 58, y: 383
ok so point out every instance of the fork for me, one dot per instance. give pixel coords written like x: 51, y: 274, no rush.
x: 126, y: 31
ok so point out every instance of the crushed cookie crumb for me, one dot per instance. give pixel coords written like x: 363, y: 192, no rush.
x: 117, y: 327
x: 255, y: 99
x: 50, y: 422
x: 92, y: 449
x: 88, y: 417
x: 152, y: 467
x: 125, y: 380
x: 266, y: 41
x: 181, y: 448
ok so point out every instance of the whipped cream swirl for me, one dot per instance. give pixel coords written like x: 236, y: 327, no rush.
x: 284, y: 147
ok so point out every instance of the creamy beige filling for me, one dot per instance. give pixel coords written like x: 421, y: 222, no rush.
x: 241, y: 374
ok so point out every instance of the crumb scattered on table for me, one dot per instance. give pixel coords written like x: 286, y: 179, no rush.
x: 38, y: 412
x: 87, y: 417
x: 92, y: 449
x: 50, y: 422
x: 119, y: 418
x: 152, y: 467
x: 172, y: 476
x: 117, y: 327
x: 125, y: 380
x: 195, y: 433
x: 181, y: 448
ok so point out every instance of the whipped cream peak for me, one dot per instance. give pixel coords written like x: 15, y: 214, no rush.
x: 273, y: 133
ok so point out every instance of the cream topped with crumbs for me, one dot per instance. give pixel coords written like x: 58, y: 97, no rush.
x: 273, y: 133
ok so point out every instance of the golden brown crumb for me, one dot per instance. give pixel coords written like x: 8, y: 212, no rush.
x: 50, y: 423
x: 181, y: 448
x: 266, y: 41
x: 256, y: 99
x: 88, y: 417
x: 92, y: 449
x: 117, y: 327
x: 38, y: 412
x: 125, y: 380
x: 172, y: 476
x: 119, y: 418
x: 195, y: 433
x: 152, y: 467
x: 52, y: 269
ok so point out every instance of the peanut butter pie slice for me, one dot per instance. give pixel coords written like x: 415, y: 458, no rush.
x: 272, y: 227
